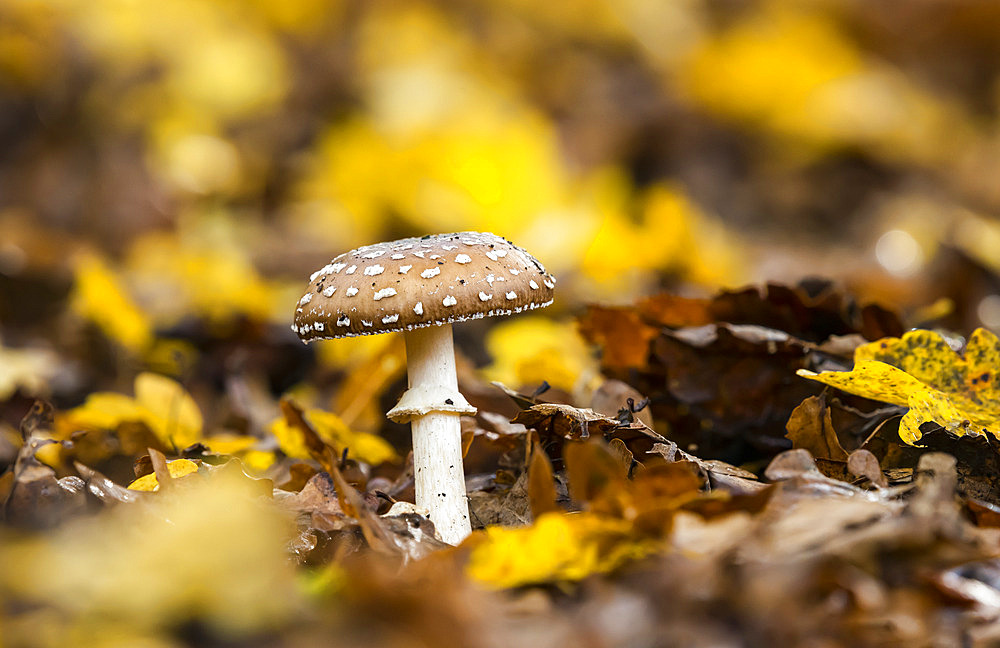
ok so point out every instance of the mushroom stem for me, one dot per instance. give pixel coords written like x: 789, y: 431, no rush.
x: 437, y: 435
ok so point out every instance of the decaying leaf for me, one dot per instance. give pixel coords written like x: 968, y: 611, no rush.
x: 36, y: 497
x: 811, y: 428
x: 920, y: 371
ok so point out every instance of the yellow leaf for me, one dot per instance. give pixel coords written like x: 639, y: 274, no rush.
x: 212, y: 551
x: 173, y: 415
x: 98, y: 297
x: 258, y: 461
x: 920, y: 371
x: 178, y: 468
x: 361, y: 446
x: 530, y: 349
x: 160, y: 403
x: 228, y: 443
x: 558, y: 547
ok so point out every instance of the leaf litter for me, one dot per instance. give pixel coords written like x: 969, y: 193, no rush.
x: 587, y: 518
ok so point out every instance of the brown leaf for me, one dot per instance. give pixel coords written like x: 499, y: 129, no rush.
x: 613, y: 396
x: 720, y: 475
x: 620, y: 332
x: 810, y: 427
x: 864, y: 464
x: 592, y: 470
x: 565, y: 421
x: 36, y: 497
x: 541, y: 487
x: 624, y: 456
x: 106, y: 490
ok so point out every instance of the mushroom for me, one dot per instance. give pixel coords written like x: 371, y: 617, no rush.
x: 420, y: 286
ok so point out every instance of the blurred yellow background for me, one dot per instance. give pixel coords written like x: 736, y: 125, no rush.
x: 194, y: 161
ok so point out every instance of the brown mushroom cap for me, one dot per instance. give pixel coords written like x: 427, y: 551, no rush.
x: 416, y: 282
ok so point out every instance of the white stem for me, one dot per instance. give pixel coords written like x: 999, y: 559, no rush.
x: 437, y: 435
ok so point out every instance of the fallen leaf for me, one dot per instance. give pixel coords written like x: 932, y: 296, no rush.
x: 160, y: 403
x: 178, y: 468
x: 920, y: 371
x: 557, y: 547
x: 811, y: 427
x: 541, y: 487
x: 332, y: 430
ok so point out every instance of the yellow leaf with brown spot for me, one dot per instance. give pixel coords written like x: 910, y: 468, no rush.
x: 558, y: 547
x: 920, y: 371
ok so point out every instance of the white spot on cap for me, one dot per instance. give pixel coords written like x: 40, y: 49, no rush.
x: 463, y: 258
x: 337, y: 267
x: 449, y: 247
x: 449, y: 301
x: 329, y: 290
x: 352, y: 291
x: 368, y: 324
x: 389, y: 319
x: 501, y: 253
x: 306, y: 298
x: 404, y: 269
x: 548, y: 284
x: 490, y: 279
x: 430, y: 272
x: 419, y: 253
x: 313, y: 276
x: 385, y: 292
x: 319, y: 326
x: 352, y: 269
x: 533, y: 285
x: 484, y: 297
x: 373, y: 255
x: 418, y: 308
x: 515, y: 271
x: 376, y: 269
x: 435, y: 256
x: 492, y: 255
x: 295, y: 328
x: 511, y: 295
x: 397, y: 257
x: 344, y: 321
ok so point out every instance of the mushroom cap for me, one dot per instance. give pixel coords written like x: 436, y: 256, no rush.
x: 417, y: 282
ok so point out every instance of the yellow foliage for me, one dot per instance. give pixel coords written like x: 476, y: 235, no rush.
x: 178, y: 469
x: 227, y: 443
x: 204, y: 272
x: 673, y: 235
x: 792, y: 72
x: 213, y: 550
x: 920, y: 371
x: 361, y: 446
x: 160, y: 403
x: 534, y: 348
x: 99, y: 297
x: 557, y: 547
